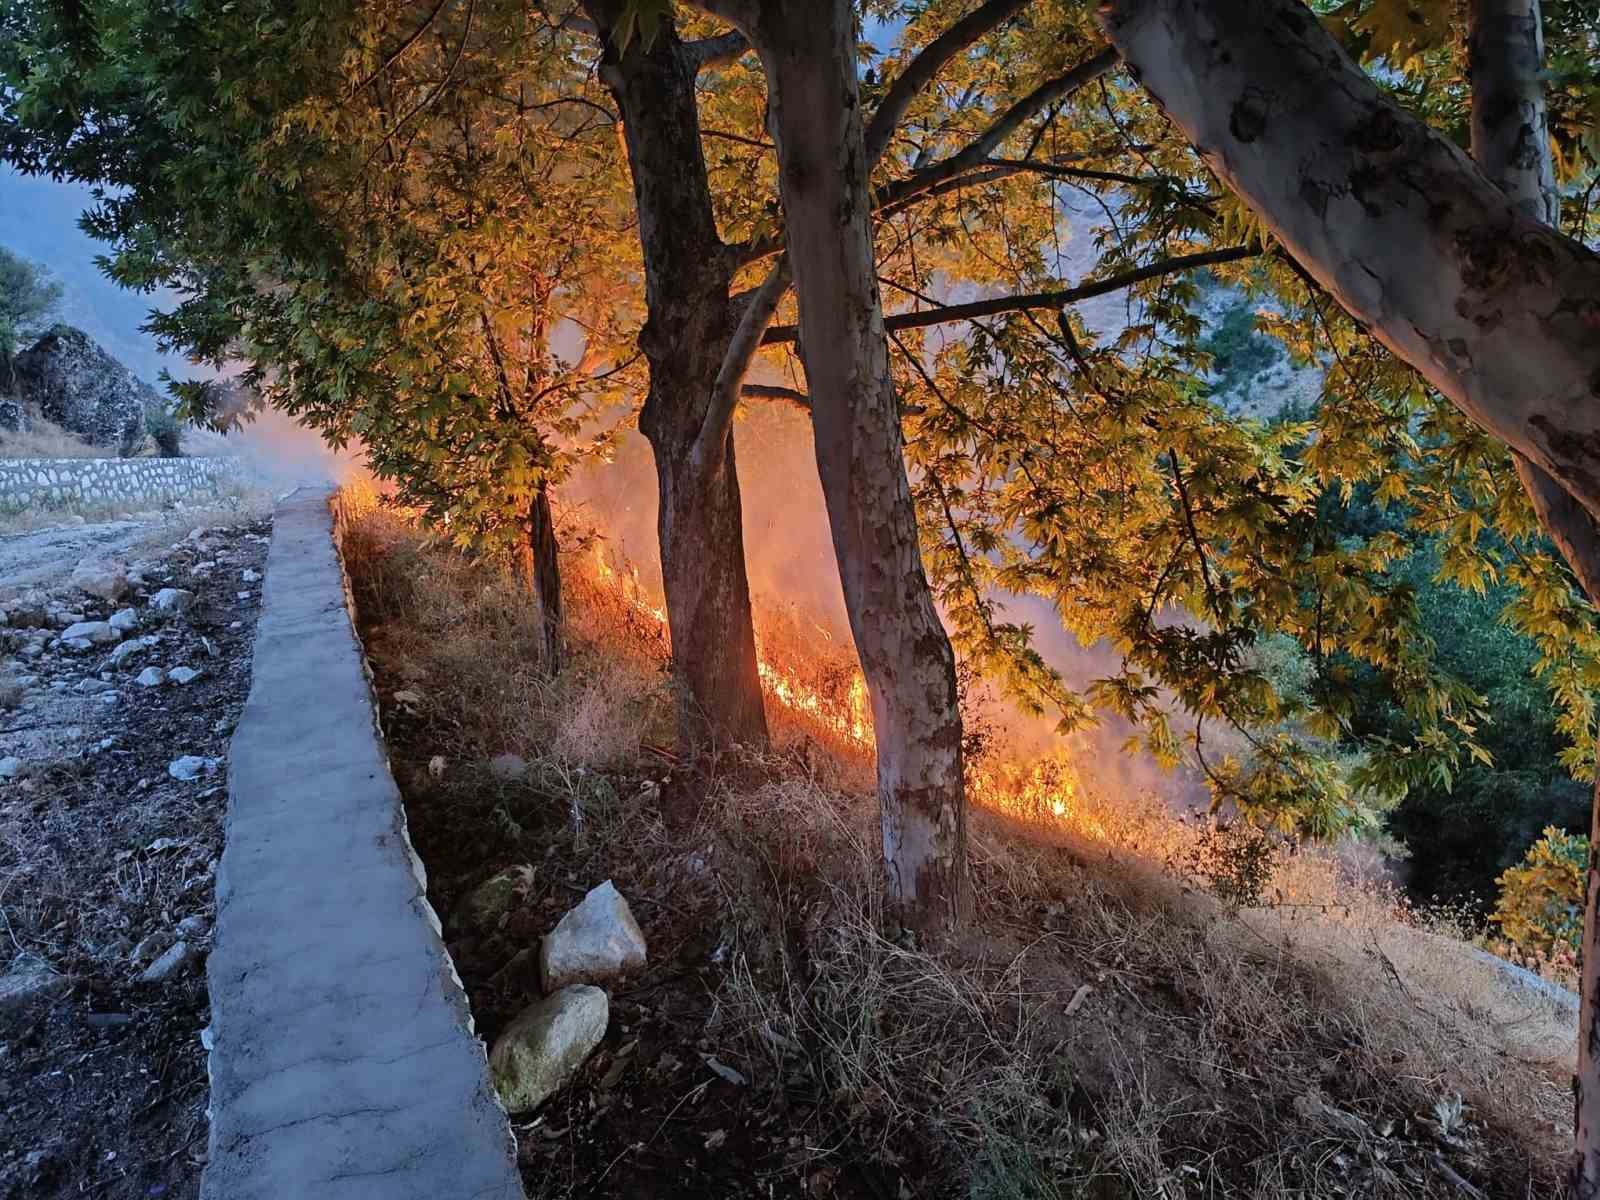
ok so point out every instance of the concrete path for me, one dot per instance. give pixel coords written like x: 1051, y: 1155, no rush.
x: 343, y: 1066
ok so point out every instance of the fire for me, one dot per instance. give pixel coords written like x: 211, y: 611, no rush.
x: 1042, y: 790
x: 851, y: 720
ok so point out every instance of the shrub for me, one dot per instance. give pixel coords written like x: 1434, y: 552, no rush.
x: 164, y: 428
x: 1540, y: 909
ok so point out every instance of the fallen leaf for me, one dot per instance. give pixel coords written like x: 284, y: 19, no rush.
x: 715, y: 1138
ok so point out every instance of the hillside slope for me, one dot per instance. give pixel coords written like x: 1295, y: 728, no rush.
x: 1107, y: 1026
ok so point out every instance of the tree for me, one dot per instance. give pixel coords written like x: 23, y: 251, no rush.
x: 810, y: 58
x: 695, y: 376
x: 1500, y: 311
x: 28, y: 298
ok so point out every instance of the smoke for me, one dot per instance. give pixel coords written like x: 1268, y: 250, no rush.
x: 281, y: 453
x: 789, y: 555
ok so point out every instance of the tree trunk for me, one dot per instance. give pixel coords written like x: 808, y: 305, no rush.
x: 809, y: 52
x: 1496, y: 309
x: 690, y: 322
x: 544, y: 566
x: 1511, y: 143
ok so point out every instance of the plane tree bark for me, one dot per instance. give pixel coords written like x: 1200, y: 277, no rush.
x: 1493, y: 307
x: 690, y: 324
x: 809, y: 55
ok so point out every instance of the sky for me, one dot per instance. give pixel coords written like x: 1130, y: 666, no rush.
x: 39, y: 220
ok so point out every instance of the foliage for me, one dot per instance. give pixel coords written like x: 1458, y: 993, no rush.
x: 1540, y: 909
x: 164, y: 429
x: 390, y: 211
x: 1238, y: 352
x: 396, y: 282
x: 28, y: 300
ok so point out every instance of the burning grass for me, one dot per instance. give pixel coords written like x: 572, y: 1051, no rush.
x: 1107, y: 1026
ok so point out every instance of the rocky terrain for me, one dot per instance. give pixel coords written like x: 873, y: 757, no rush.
x: 67, y: 378
x: 119, y: 688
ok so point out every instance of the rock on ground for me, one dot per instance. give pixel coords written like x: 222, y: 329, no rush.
x: 96, y: 632
x: 596, y: 941
x: 546, y: 1044
x: 190, y: 767
x: 106, y: 579
x: 31, y: 979
x: 172, y: 963
x: 76, y: 384
x: 172, y: 600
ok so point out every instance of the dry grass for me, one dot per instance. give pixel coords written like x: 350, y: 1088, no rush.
x: 236, y: 502
x: 46, y: 439
x: 1106, y: 1027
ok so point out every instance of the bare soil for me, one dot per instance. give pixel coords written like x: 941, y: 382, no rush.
x: 103, y: 1079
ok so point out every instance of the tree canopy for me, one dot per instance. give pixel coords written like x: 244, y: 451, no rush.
x: 412, y: 224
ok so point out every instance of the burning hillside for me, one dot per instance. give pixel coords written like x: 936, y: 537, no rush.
x: 1102, y: 1021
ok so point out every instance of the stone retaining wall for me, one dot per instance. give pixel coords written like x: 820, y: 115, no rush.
x: 48, y: 483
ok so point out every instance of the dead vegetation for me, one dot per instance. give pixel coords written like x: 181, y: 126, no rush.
x: 46, y: 439
x: 1107, y: 1028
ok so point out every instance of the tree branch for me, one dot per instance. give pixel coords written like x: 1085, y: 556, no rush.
x: 927, y: 64
x: 399, y: 51
x: 772, y: 391
x: 1018, y: 303
x: 1006, y: 123
x: 747, y: 339
x: 928, y: 181
x: 714, y: 52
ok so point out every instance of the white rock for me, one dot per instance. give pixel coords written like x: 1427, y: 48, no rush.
x: 183, y: 674
x: 150, y: 677
x: 191, y: 766
x: 544, y: 1047
x: 91, y: 687
x: 193, y: 927
x: 172, y: 600
x: 10, y: 767
x: 124, y: 620
x: 597, y: 940
x: 96, y: 632
x: 508, y: 768
x: 66, y: 643
x: 250, y: 575
x: 105, y: 578
x: 172, y: 963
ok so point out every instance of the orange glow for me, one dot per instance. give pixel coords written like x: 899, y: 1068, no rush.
x: 1042, y: 790
x: 849, y: 719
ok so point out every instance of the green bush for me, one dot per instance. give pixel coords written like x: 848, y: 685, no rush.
x: 1540, y: 910
x: 164, y: 428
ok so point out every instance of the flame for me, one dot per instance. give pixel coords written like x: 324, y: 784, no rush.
x: 851, y: 720
x: 1043, y: 790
